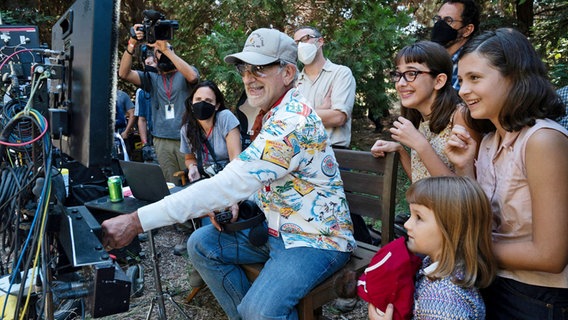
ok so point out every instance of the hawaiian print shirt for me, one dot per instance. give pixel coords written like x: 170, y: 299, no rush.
x: 291, y: 172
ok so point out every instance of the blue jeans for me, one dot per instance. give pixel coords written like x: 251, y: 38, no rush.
x: 510, y: 299
x: 287, y: 276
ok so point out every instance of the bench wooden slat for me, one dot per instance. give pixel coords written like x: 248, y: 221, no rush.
x: 370, y: 188
x: 365, y: 205
x: 361, y: 183
x: 381, y: 174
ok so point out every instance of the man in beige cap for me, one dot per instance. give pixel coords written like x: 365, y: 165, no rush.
x: 289, y: 171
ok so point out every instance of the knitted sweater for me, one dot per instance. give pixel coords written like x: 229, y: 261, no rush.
x: 443, y: 299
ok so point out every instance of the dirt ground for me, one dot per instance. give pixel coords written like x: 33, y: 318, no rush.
x: 174, y: 275
x: 174, y: 270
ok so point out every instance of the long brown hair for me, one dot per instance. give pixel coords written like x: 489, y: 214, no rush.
x: 532, y: 96
x: 464, y: 216
x: 194, y: 132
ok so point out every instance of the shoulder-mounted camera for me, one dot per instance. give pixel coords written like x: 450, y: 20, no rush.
x: 156, y: 27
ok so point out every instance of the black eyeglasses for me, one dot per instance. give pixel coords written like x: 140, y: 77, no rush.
x: 449, y: 20
x: 408, y: 76
x: 306, y: 38
x: 257, y: 71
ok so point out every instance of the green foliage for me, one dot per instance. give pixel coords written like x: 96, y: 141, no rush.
x: 362, y: 34
x: 550, y: 38
x: 402, y: 184
x: 366, y: 43
x: 548, y: 33
x: 211, y: 30
x: 211, y: 49
x: 32, y: 17
x: 25, y: 16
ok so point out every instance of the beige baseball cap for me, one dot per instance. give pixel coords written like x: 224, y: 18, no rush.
x: 265, y: 46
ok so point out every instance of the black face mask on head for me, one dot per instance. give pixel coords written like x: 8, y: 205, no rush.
x: 165, y: 64
x: 203, y: 110
x: 443, y: 33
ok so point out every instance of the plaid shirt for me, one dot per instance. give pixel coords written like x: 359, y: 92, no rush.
x: 563, y: 93
x: 455, y: 82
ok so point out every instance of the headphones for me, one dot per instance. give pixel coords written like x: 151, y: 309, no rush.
x: 250, y: 217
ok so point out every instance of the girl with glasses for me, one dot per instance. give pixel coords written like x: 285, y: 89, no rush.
x: 430, y: 108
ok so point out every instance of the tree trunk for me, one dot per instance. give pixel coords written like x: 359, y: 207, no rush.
x: 525, y: 16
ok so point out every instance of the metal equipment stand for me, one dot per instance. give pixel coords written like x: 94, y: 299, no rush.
x: 160, y: 295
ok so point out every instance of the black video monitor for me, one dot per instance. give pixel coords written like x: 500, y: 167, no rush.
x: 87, y: 33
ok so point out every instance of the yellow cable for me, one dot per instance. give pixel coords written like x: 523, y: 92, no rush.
x: 38, y: 250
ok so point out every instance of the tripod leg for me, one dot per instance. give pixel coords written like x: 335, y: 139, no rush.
x: 157, y: 282
x: 151, y: 308
x: 176, y: 305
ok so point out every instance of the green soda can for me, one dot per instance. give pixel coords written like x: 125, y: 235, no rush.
x: 115, y: 189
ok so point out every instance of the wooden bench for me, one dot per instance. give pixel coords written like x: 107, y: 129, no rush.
x: 370, y: 188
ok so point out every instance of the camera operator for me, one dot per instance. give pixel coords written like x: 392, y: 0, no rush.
x: 169, y: 88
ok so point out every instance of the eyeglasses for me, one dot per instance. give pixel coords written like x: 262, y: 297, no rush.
x: 408, y: 76
x: 257, y: 71
x: 449, y: 20
x: 306, y: 38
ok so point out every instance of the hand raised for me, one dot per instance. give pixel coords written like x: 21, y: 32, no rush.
x: 461, y: 149
x: 404, y: 132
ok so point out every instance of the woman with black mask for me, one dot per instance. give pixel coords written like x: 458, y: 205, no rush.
x: 210, y: 135
x: 210, y: 138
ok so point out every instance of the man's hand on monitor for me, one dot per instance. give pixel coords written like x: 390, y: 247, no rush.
x: 119, y: 231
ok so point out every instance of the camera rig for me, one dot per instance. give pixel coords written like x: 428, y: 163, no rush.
x: 52, y: 260
x: 62, y: 243
x: 156, y: 27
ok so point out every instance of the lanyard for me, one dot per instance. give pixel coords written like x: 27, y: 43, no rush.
x: 205, y: 149
x: 168, y: 87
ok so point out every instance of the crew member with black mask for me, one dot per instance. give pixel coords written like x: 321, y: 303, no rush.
x: 210, y: 138
x: 210, y: 135
x: 168, y: 88
x: 455, y: 24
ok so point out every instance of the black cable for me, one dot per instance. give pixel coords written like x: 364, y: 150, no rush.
x: 14, y: 180
x: 19, y: 174
x: 237, y: 260
x: 29, y: 258
x: 36, y: 235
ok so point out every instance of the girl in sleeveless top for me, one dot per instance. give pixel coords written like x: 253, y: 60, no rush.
x: 522, y: 166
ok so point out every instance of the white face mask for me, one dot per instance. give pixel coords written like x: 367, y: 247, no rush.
x: 307, y: 52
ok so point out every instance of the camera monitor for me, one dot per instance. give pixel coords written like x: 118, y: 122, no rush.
x: 15, y: 38
x: 85, y: 93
